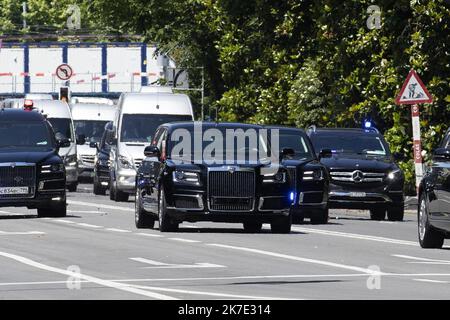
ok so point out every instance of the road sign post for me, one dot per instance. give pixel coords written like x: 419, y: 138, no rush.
x: 414, y: 92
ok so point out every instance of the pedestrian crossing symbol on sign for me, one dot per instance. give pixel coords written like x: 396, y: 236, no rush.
x: 413, y: 91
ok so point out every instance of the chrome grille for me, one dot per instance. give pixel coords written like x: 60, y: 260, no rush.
x: 357, y: 176
x: 292, y: 172
x: 17, y: 175
x: 88, y: 159
x: 231, y: 191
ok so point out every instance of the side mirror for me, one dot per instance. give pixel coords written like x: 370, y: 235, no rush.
x: 287, y: 152
x: 152, y: 152
x: 93, y: 144
x: 398, y: 156
x: 441, y: 154
x: 63, y: 143
x: 325, y: 153
x: 81, y: 139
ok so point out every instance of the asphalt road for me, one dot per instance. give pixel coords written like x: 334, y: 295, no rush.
x: 97, y: 253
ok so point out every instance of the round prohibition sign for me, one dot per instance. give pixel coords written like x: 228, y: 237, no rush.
x: 64, y: 72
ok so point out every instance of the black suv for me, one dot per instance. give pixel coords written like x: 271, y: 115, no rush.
x: 363, y: 174
x: 434, y: 199
x: 176, y: 184
x: 31, y: 172
x: 101, y: 164
x: 309, y: 177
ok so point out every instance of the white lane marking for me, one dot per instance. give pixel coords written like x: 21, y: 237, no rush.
x: 118, y: 230
x: 64, y: 221
x: 78, y: 211
x: 149, y: 235
x: 162, y: 265
x: 295, y: 258
x: 106, y: 283
x: 97, y: 205
x: 87, y: 225
x: 421, y: 260
x: 212, y: 294
x: 432, y: 281
x: 356, y: 236
x: 8, y: 233
x: 184, y: 240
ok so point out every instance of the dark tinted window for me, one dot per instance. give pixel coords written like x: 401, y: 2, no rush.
x: 349, y: 142
x: 142, y: 127
x: 30, y: 135
x: 296, y: 141
x: 92, y: 130
x: 62, y: 126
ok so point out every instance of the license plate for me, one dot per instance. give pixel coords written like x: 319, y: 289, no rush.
x: 14, y: 190
x: 357, y: 194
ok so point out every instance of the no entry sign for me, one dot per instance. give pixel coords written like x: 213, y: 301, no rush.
x: 64, y: 72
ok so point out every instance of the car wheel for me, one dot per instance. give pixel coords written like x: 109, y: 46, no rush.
x: 53, y: 210
x: 321, y: 218
x: 121, y: 196
x: 396, y: 213
x: 72, y: 187
x: 252, y: 226
x: 281, y: 225
x: 112, y: 192
x: 98, y: 189
x: 428, y: 236
x: 165, y: 224
x: 141, y: 218
x: 377, y: 214
x: 298, y: 220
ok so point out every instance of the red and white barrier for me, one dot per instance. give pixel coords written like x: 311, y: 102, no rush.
x: 417, y: 143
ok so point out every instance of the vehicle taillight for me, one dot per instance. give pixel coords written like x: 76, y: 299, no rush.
x: 28, y: 105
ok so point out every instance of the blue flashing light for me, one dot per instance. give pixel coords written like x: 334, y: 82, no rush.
x: 367, y: 124
x: 291, y: 196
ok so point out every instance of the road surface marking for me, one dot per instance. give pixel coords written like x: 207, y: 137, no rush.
x: 117, y: 230
x: 89, y: 225
x: 64, y: 221
x: 432, y: 281
x: 149, y: 235
x: 295, y: 258
x: 422, y: 260
x: 8, y: 233
x: 106, y: 283
x: 356, y: 236
x: 78, y: 211
x: 184, y: 240
x: 96, y: 205
x: 162, y: 265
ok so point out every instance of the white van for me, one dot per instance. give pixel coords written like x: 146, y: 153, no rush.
x: 38, y: 96
x: 138, y: 117
x: 89, y: 121
x: 58, y: 114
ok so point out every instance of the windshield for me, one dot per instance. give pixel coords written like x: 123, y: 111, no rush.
x: 295, y: 141
x: 29, y: 135
x: 142, y: 127
x: 62, y: 127
x: 351, y: 143
x: 92, y: 130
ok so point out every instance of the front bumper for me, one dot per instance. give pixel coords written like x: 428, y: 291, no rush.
x: 126, y: 180
x: 71, y: 175
x: 41, y: 199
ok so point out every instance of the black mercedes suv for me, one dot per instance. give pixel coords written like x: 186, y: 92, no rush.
x: 218, y: 172
x: 32, y: 174
x: 363, y: 174
x: 434, y: 199
x: 309, y: 177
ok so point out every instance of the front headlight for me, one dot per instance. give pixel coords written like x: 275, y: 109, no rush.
x: 180, y: 176
x: 316, y: 175
x: 52, y: 168
x: 279, y: 177
x: 70, y: 160
x: 125, y: 163
x: 395, y: 174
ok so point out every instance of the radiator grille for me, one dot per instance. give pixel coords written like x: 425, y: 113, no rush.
x: 17, y: 176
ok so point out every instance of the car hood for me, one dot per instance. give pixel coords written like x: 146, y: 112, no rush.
x: 85, y: 149
x: 363, y: 163
x: 26, y: 156
x: 132, y: 150
x: 188, y: 165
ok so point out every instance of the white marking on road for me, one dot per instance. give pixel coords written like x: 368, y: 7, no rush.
x: 432, y: 281
x: 64, y: 221
x: 184, y: 240
x: 421, y: 260
x: 97, y: 205
x: 117, y: 230
x: 148, y: 261
x: 8, y: 233
x: 77, y: 211
x: 149, y: 235
x: 89, y: 225
x: 308, y: 260
x: 106, y: 283
x: 356, y: 236
x: 162, y: 265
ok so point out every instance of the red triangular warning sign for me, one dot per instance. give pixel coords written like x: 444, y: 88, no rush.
x: 413, y: 91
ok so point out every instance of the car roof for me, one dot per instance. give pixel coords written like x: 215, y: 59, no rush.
x: 93, y: 111
x: 53, y: 108
x: 344, y: 130
x: 284, y: 128
x: 20, y: 115
x: 208, y: 124
x: 155, y: 103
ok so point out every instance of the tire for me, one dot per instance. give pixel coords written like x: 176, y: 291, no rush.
x: 377, y: 214
x: 396, y: 213
x: 72, y: 187
x: 165, y: 223
x: 141, y: 218
x: 121, y: 196
x: 252, y: 226
x: 281, y: 225
x: 429, y: 238
x: 112, y: 192
x: 298, y: 220
x: 53, y: 210
x: 98, y: 189
x: 321, y: 218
